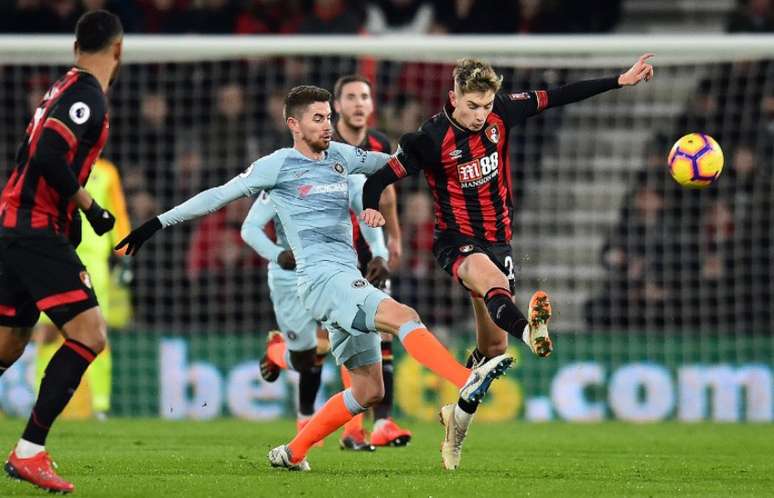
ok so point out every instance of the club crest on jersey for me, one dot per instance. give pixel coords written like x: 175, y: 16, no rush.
x: 338, y: 168
x: 359, y: 283
x: 493, y: 134
x: 466, y: 248
x: 292, y: 336
x: 86, y: 279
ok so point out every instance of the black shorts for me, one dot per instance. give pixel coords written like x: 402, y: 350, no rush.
x: 451, y: 248
x: 42, y: 274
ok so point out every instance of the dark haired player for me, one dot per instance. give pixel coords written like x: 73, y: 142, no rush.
x: 354, y: 106
x: 308, y: 186
x: 463, y: 152
x: 40, y: 228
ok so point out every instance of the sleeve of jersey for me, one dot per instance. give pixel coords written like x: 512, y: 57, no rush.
x: 373, y: 236
x: 253, y: 232
x: 261, y: 175
x: 361, y: 161
x: 78, y: 110
x: 74, y: 113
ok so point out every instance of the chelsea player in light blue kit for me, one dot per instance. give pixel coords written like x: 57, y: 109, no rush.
x: 308, y: 186
x: 304, y: 344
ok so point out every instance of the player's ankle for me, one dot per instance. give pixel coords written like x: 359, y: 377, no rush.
x: 28, y: 449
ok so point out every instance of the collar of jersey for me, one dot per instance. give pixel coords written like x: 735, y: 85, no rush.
x: 448, y: 110
x: 327, y: 154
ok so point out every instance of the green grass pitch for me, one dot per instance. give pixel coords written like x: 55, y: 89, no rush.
x: 150, y: 458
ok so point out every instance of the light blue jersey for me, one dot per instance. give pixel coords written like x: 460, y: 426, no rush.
x: 297, y: 325
x: 311, y: 198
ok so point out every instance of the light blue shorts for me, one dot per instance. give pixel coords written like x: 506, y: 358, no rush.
x: 295, y: 322
x: 346, y: 304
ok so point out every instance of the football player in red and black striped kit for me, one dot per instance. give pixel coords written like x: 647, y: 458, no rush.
x: 40, y: 228
x: 463, y: 152
x: 354, y: 106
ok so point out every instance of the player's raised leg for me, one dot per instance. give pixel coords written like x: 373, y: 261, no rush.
x: 354, y: 436
x: 479, y: 274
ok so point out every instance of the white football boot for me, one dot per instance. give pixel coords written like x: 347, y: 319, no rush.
x: 456, y: 430
x: 280, y: 457
x: 482, y: 375
x: 535, y: 334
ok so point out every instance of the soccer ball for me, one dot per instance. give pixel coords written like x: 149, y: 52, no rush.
x: 695, y: 160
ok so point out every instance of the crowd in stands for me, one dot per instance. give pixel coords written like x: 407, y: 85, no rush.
x: 318, y: 16
x: 700, y: 260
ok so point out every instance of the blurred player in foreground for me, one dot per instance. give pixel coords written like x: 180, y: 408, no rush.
x: 40, y: 228
x: 305, y: 343
x: 463, y: 152
x: 354, y: 106
x: 309, y: 189
x: 104, y: 186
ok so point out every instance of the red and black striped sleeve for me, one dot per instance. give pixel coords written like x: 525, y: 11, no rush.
x: 516, y: 107
x: 81, y: 108
x: 409, y: 159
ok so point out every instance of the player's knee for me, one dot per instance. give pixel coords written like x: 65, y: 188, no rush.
x: 91, y: 331
x: 374, y: 396
x: 303, y: 361
x: 407, y: 314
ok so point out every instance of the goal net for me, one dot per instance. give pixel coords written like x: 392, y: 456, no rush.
x: 640, y: 270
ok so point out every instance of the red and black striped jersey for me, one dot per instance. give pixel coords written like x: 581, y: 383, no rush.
x: 469, y: 172
x: 375, y: 141
x: 68, y: 130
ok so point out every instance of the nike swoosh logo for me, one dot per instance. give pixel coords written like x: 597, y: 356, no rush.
x: 499, y: 311
x: 476, y: 378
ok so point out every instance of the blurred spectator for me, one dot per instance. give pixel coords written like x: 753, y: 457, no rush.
x: 226, y: 137
x: 406, y: 113
x: 25, y: 16
x: 472, y: 16
x: 64, y: 15
x: 126, y: 11
x: 216, y: 243
x: 164, y: 17
x: 269, y: 17
x: 330, y: 17
x: 635, y: 256
x: 213, y: 17
x: 399, y: 17
x: 274, y: 133
x: 418, y: 225
x: 752, y: 16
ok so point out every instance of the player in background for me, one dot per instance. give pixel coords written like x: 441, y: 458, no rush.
x: 354, y: 106
x: 40, y: 228
x: 305, y: 343
x: 308, y: 187
x: 463, y: 152
x: 104, y: 186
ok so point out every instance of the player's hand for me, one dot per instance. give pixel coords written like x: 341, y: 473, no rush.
x: 395, y: 250
x: 377, y: 272
x: 138, y: 236
x: 286, y: 260
x: 372, y: 218
x: 641, y: 70
x: 100, y: 219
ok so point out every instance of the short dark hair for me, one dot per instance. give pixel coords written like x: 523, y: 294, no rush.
x: 299, y: 97
x: 96, y: 30
x: 345, y: 80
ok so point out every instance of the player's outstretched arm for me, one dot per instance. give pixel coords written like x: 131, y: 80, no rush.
x: 261, y: 212
x: 261, y: 175
x: 199, y: 205
x: 581, y: 90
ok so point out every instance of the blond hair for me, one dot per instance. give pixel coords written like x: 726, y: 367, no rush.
x: 474, y: 75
